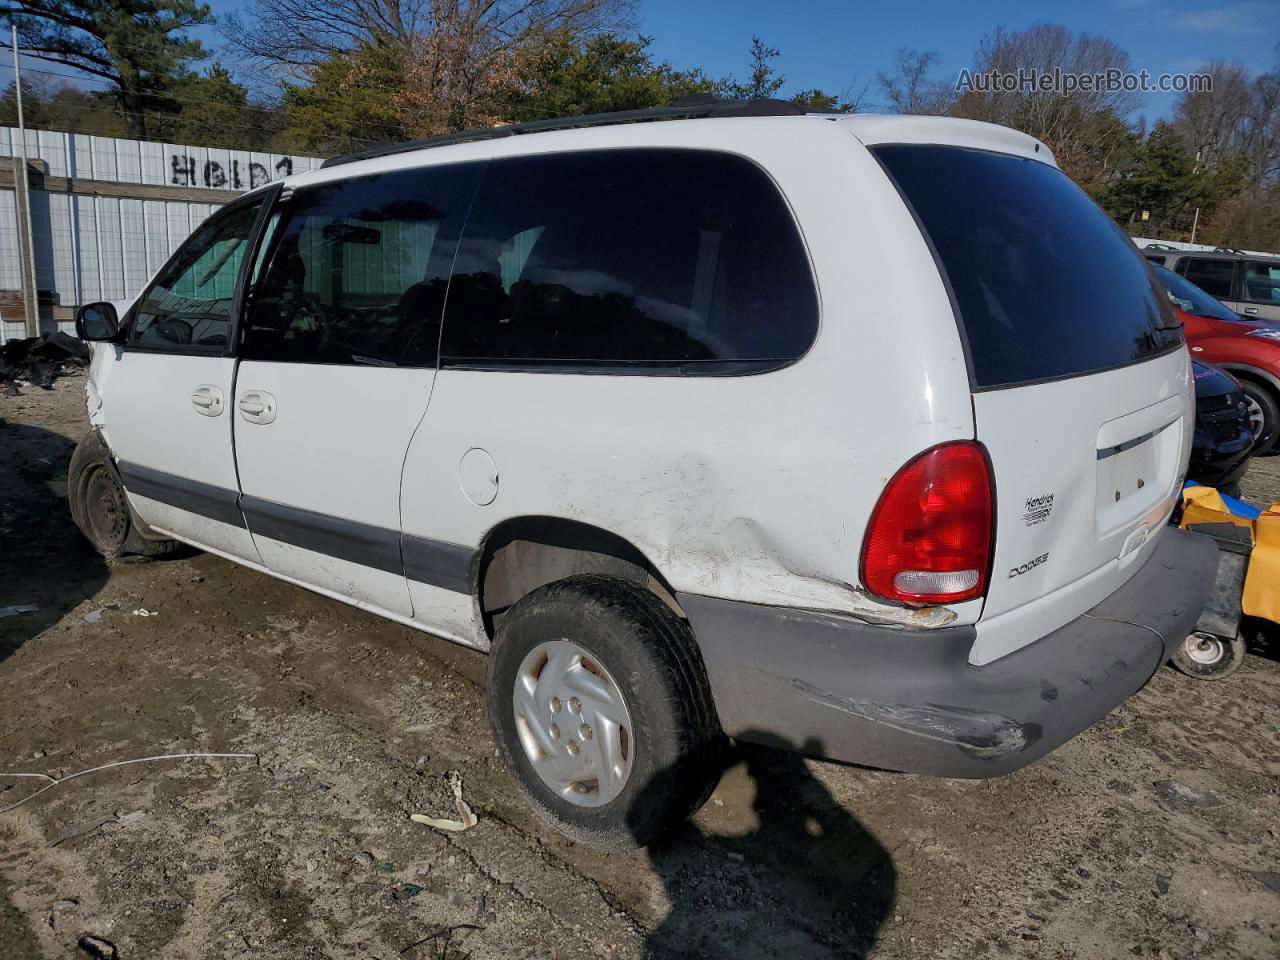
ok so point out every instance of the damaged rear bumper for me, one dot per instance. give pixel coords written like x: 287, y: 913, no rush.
x: 904, y: 699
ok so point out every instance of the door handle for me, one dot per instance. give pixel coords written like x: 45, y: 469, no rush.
x: 208, y: 400
x: 257, y: 406
x: 1252, y: 311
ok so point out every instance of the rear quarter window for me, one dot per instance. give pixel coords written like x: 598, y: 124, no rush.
x: 1045, y: 285
x: 638, y: 260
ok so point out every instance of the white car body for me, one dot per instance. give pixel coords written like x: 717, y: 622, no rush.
x: 753, y: 489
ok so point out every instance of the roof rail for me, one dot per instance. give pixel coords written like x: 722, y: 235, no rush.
x: 684, y: 109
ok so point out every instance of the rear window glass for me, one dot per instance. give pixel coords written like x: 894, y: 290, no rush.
x: 630, y: 260
x: 1045, y: 284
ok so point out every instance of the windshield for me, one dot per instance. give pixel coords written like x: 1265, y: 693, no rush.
x: 1191, y: 299
x: 1044, y: 283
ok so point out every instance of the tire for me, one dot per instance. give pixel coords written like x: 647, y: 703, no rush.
x: 1207, y: 656
x: 100, y: 508
x: 1264, y: 398
x: 624, y: 636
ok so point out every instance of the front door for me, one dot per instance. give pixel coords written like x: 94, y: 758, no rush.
x: 167, y: 399
x: 337, y: 364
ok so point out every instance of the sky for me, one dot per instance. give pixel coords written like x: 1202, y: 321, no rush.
x: 840, y: 46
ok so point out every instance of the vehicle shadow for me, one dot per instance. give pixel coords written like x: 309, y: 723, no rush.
x: 805, y: 879
x: 45, y: 562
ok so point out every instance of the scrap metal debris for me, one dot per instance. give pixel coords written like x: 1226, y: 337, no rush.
x: 37, y: 361
x: 144, y: 612
x: 467, y: 819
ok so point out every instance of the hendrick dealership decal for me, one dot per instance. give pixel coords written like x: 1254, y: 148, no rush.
x: 1038, y: 509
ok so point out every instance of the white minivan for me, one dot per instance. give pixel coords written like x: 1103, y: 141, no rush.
x: 855, y: 435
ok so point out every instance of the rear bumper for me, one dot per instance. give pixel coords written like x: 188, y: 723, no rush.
x: 903, y: 699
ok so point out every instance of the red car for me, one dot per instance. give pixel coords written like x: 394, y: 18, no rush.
x: 1249, y: 349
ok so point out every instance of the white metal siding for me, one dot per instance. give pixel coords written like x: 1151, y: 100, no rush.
x: 168, y: 164
x: 91, y: 248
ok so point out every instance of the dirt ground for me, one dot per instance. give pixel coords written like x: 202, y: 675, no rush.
x: 1154, y: 834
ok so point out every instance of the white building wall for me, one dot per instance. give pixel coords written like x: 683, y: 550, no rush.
x: 106, y: 248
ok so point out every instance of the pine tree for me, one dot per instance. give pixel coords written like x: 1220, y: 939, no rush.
x: 138, y: 45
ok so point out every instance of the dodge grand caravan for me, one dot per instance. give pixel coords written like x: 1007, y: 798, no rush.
x: 792, y: 428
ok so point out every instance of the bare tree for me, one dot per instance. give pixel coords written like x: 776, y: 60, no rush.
x: 1214, y: 121
x: 296, y: 34
x: 1236, y: 121
x: 1047, y: 47
x: 908, y: 87
x: 1087, y: 129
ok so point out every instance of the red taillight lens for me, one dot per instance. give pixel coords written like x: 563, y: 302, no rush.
x: 929, y: 539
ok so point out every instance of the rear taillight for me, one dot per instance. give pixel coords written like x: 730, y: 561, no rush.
x: 929, y: 539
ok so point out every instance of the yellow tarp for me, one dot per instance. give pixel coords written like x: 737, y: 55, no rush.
x: 1262, y: 583
x: 1201, y: 505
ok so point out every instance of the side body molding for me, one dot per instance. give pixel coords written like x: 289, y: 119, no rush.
x: 434, y: 562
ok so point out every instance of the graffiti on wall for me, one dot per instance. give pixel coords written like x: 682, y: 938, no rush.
x: 187, y: 173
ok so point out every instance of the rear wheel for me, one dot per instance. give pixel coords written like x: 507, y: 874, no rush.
x: 600, y: 706
x: 1268, y: 412
x: 101, y: 509
x: 1208, y: 656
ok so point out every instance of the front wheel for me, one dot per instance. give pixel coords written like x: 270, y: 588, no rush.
x: 101, y: 509
x: 601, y: 708
x: 1208, y: 656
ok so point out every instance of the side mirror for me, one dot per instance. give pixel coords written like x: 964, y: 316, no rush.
x: 97, y: 322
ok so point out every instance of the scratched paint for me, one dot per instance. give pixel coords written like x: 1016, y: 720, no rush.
x: 979, y: 733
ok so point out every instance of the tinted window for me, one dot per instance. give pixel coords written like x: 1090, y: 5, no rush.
x: 1262, y: 282
x: 1045, y: 285
x: 1190, y: 298
x: 634, y: 258
x: 359, y: 268
x: 1212, y: 276
x: 1155, y: 257
x: 187, y: 309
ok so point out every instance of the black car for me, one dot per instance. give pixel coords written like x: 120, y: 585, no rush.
x: 1227, y: 427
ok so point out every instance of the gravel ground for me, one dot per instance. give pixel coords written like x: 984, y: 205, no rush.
x: 1154, y: 834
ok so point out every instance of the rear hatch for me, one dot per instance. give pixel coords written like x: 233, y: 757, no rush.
x: 1079, y: 374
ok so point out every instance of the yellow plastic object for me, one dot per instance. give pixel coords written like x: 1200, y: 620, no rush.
x: 1202, y: 506
x: 1262, y: 583
x: 1205, y: 505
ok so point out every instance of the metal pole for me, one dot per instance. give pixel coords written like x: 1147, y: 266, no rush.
x: 1195, y: 223
x: 27, y: 264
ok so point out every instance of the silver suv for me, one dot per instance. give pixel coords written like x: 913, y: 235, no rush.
x: 1247, y: 283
